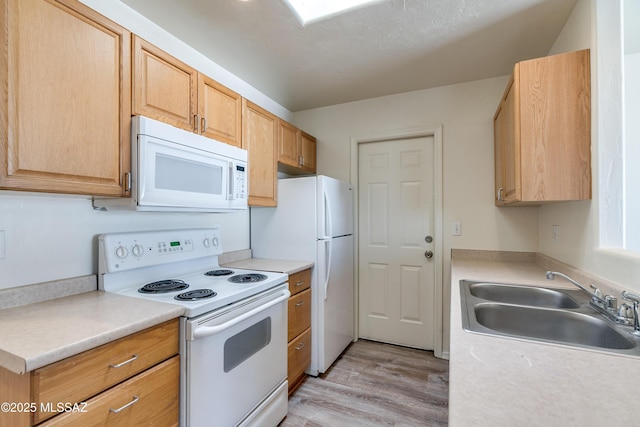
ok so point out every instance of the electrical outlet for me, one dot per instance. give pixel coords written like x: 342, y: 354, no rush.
x: 456, y: 229
x: 555, y: 233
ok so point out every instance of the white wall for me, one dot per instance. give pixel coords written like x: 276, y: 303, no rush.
x: 591, y: 235
x: 48, y: 237
x: 465, y: 112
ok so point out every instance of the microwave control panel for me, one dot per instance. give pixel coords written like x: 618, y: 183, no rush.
x: 239, y: 181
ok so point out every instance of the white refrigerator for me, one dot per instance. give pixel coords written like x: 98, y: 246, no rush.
x: 314, y: 222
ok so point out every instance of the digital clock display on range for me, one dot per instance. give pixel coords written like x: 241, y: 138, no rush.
x: 173, y: 244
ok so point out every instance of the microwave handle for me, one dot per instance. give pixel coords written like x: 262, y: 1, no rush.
x: 231, y: 180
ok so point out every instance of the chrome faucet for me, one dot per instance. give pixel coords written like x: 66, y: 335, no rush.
x: 635, y: 299
x: 552, y: 274
x: 606, y: 306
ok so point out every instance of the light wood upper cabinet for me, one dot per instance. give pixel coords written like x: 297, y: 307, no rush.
x: 296, y: 150
x: 259, y: 136
x: 168, y: 90
x: 288, y: 144
x: 220, y: 110
x: 505, y: 146
x: 65, y: 99
x: 542, y: 132
x: 307, y: 152
x: 164, y: 88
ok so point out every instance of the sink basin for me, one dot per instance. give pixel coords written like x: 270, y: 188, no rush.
x: 535, y: 313
x: 550, y: 324
x: 522, y: 295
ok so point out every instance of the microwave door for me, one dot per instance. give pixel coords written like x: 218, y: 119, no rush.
x: 179, y: 176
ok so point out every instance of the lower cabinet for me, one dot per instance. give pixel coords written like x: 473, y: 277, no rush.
x: 150, y: 398
x: 299, y: 334
x: 299, y: 354
x: 134, y: 380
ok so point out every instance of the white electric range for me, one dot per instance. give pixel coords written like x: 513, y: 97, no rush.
x: 233, y: 341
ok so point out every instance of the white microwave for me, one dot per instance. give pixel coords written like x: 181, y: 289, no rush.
x: 180, y: 171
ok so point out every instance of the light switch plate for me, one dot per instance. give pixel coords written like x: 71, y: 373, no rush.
x: 456, y: 229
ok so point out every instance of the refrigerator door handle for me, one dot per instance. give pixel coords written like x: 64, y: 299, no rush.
x: 327, y: 223
x: 327, y: 254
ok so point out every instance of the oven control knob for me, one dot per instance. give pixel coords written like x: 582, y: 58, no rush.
x: 137, y: 251
x: 215, y: 241
x: 121, y: 252
x: 206, y: 242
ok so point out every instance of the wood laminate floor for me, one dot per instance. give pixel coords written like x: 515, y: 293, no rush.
x: 374, y: 384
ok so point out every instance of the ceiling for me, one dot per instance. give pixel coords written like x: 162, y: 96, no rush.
x: 392, y: 46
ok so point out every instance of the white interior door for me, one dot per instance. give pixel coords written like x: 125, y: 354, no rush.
x: 396, y: 228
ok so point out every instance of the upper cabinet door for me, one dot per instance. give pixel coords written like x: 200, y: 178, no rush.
x: 288, y: 144
x: 507, y: 142
x: 307, y: 152
x: 220, y: 111
x: 164, y: 88
x: 65, y: 98
x: 259, y: 136
x: 542, y: 132
x: 296, y: 150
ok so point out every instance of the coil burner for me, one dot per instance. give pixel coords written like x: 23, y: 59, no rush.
x: 195, y: 295
x: 247, y: 278
x: 163, y: 286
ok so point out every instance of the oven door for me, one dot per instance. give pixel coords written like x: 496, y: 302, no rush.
x: 235, y: 363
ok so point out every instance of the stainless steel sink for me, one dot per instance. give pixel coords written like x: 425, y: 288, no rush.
x: 522, y: 295
x: 542, y: 314
x: 550, y: 324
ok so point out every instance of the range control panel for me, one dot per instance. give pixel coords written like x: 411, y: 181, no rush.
x: 126, y: 251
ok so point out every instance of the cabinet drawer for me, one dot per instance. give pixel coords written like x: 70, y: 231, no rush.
x: 299, y: 358
x: 79, y: 377
x: 299, y: 313
x: 299, y: 281
x: 150, y: 398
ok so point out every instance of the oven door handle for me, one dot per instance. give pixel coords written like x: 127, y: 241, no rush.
x: 205, y: 331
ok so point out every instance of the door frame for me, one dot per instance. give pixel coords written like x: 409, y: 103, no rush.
x: 434, y: 131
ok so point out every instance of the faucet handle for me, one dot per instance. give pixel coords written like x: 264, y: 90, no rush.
x: 625, y: 311
x: 611, y: 302
x: 596, y: 291
x: 631, y: 297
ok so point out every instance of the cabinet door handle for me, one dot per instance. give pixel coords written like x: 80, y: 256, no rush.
x: 298, y: 304
x: 196, y: 123
x: 300, y: 346
x: 500, y: 190
x: 126, y: 362
x: 122, y: 408
x: 299, y: 284
x: 127, y: 181
x: 204, y: 124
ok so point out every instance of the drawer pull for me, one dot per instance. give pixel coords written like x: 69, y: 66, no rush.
x: 119, y: 365
x: 298, y: 304
x: 122, y: 408
x: 300, y: 346
x: 299, y: 283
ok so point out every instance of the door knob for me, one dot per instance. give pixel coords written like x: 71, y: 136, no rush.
x: 428, y: 254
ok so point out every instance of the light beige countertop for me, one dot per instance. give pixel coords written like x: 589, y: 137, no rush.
x: 501, y: 381
x: 263, y: 264
x: 37, y: 334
